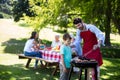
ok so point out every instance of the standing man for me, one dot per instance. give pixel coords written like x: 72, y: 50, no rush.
x: 92, y: 39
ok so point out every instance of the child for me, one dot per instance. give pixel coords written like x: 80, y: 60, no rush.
x: 66, y: 56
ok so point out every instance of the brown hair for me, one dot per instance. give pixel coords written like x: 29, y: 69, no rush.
x: 77, y: 20
x: 66, y: 36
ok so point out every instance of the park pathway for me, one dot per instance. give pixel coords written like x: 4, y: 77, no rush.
x: 10, y: 30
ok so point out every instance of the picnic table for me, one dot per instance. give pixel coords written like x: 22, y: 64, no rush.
x: 49, y: 56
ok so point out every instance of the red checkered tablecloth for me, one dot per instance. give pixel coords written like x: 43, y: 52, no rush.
x: 51, y: 55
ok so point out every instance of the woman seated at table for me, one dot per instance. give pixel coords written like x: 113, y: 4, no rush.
x: 31, y: 48
x: 56, y: 43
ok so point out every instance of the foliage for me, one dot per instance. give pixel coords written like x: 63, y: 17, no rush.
x: 5, y: 8
x: 1, y: 16
x: 110, y: 52
x: 21, y: 7
x: 103, y: 13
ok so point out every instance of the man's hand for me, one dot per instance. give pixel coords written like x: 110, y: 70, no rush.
x: 96, y: 46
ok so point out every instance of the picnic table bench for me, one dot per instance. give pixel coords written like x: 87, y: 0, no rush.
x: 22, y: 56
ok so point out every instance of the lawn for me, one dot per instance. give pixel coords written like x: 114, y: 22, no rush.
x: 11, y: 68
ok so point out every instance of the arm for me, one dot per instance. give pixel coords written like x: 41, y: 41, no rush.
x: 62, y: 50
x: 62, y: 62
x: 52, y: 45
x: 78, y: 38
x: 100, y: 36
x: 77, y: 42
x: 36, y: 46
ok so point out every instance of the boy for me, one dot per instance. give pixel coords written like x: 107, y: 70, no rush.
x: 66, y: 56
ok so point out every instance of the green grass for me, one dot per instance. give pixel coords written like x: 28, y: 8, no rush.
x: 17, y: 71
x: 110, y: 69
x: 12, y: 68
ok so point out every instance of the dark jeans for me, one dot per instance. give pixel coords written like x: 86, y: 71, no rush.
x: 34, y: 54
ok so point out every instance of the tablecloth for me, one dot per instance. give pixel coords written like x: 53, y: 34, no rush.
x: 51, y: 55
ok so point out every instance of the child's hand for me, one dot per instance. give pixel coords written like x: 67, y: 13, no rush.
x: 65, y: 70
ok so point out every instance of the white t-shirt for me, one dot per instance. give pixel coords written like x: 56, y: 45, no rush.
x: 94, y: 29
x: 54, y: 44
x: 29, y: 45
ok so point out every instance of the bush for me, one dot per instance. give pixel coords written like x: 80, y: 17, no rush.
x: 1, y: 16
x: 110, y: 52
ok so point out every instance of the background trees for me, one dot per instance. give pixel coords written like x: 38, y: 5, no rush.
x: 5, y: 8
x: 105, y: 14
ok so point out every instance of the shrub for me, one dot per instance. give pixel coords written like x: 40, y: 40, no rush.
x: 110, y: 52
x: 1, y: 16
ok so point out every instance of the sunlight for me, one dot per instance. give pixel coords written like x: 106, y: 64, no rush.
x: 105, y: 77
x: 25, y: 78
x: 107, y: 63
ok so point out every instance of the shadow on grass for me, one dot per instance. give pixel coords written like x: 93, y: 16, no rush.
x: 15, y: 46
x: 18, y: 72
x: 111, y: 52
x: 23, y: 24
x: 110, y: 69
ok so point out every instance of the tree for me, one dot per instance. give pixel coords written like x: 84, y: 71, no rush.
x: 105, y: 14
x: 21, y: 7
x: 101, y: 12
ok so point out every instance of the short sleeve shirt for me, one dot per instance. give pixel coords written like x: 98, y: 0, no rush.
x: 67, y: 53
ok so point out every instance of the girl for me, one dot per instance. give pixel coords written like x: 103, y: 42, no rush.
x: 31, y: 47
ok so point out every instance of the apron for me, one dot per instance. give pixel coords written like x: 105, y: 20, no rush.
x: 90, y: 39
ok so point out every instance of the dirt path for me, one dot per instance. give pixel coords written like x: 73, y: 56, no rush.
x: 10, y: 30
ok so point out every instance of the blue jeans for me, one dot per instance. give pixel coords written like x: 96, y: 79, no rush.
x: 34, y: 54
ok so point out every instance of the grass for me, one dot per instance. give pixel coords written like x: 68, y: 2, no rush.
x: 17, y: 71
x: 110, y: 69
x: 12, y: 68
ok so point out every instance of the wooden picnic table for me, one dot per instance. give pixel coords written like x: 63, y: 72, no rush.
x: 48, y: 56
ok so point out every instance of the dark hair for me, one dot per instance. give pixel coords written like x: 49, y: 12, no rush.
x: 66, y: 36
x: 77, y: 20
x: 33, y: 34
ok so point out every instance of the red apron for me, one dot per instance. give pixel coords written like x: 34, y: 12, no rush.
x: 90, y: 39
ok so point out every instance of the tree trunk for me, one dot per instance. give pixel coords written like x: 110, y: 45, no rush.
x: 107, y: 24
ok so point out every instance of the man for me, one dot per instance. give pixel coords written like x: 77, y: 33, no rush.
x: 56, y: 43
x: 92, y: 39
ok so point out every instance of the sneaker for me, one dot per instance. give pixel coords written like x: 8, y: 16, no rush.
x: 35, y: 67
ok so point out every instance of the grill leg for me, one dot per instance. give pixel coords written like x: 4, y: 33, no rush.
x: 95, y: 69
x: 86, y: 73
x: 80, y: 74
